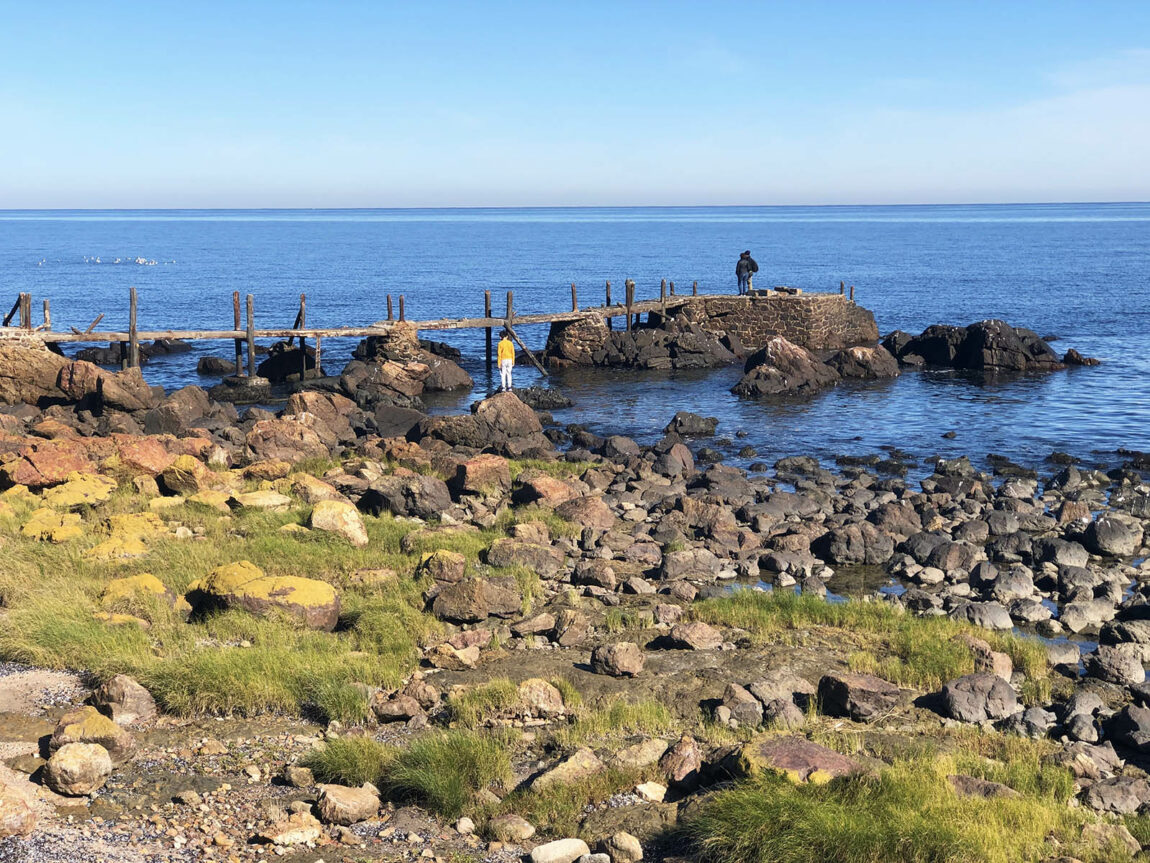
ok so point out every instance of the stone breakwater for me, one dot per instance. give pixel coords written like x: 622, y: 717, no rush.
x: 710, y: 331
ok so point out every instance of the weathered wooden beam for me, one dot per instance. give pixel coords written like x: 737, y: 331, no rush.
x: 527, y: 351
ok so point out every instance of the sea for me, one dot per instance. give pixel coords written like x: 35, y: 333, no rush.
x: 1077, y: 273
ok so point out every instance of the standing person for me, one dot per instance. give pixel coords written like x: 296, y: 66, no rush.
x: 744, y: 269
x: 506, y: 361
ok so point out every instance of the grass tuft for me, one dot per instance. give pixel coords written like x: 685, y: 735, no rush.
x: 469, y: 708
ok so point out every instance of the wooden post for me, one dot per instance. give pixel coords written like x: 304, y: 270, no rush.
x: 510, y: 308
x: 487, y: 330
x: 574, y: 299
x: 302, y: 343
x: 25, y: 312
x: 401, y: 317
x: 662, y: 298
x: 47, y: 314
x: 608, y: 302
x: 239, y: 342
x: 251, y: 302
x: 527, y: 351
x: 672, y: 289
x: 133, y: 342
x: 389, y: 315
x: 318, y: 367
x: 695, y: 289
x: 842, y: 288
x: 15, y: 310
x: 852, y: 293
x: 629, y: 287
x: 123, y: 355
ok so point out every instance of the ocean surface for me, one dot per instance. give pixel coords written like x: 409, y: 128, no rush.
x: 1078, y: 272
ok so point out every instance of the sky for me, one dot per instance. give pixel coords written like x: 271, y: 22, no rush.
x: 426, y: 104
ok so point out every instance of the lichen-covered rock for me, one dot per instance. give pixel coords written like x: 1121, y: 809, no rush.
x: 87, y: 725
x: 798, y: 759
x: 80, y: 489
x: 442, y: 565
x: 133, y: 590
x: 244, y: 585
x: 48, y: 525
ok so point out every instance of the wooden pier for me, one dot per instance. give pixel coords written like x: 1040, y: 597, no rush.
x: 242, y: 336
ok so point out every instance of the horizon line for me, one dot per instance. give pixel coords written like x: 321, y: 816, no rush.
x: 570, y: 207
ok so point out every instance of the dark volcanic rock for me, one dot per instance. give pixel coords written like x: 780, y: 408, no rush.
x: 784, y: 368
x: 859, y: 696
x: 978, y: 697
x: 865, y: 362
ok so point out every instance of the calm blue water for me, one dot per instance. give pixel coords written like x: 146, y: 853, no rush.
x: 1081, y: 272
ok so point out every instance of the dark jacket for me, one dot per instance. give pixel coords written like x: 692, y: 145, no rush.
x: 744, y: 266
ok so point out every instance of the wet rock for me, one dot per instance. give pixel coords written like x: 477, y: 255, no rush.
x: 783, y: 368
x: 622, y: 659
x: 1113, y: 535
x: 978, y: 697
x: 865, y: 362
x: 339, y: 804
x: 78, y: 769
x: 862, y: 697
x: 687, y: 424
x: 215, y: 366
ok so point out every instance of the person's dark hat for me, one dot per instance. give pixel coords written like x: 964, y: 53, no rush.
x: 747, y: 253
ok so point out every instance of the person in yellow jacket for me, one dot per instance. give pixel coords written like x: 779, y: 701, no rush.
x: 506, y: 361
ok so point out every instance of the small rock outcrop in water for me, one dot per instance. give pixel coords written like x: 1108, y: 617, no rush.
x: 986, y: 345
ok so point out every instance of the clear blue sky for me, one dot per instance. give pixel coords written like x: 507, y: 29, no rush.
x: 347, y: 104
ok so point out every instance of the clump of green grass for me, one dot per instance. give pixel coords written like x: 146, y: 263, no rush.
x: 908, y: 812
x: 558, y: 469
x: 441, y: 771
x: 350, y: 761
x: 911, y: 651
x: 444, y: 771
x: 572, y: 699
x: 616, y: 719
x: 558, y: 809
x: 557, y: 526
x: 469, y: 708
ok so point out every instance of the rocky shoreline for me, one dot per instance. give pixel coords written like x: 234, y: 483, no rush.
x: 610, y: 641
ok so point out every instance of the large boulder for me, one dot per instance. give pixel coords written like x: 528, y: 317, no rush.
x: 475, y: 599
x: 285, y: 362
x: 332, y: 409
x: 622, y: 659
x: 78, y: 769
x: 411, y: 494
x: 290, y: 439
x: 342, y: 519
x: 978, y: 697
x: 784, y: 368
x: 124, y: 700
x: 1113, y: 535
x: 543, y: 559
x: 29, y: 373
x: 986, y: 345
x: 244, y: 585
x: 859, y: 542
x: 796, y: 758
x: 865, y: 362
x: 860, y: 696
x: 88, y: 725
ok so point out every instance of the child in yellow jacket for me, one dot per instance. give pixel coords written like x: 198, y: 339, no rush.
x: 506, y: 361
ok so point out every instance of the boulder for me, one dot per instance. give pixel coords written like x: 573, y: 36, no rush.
x: 216, y: 366
x: 581, y: 764
x: 864, y: 362
x: 978, y: 697
x: 1130, y: 727
x: 284, y: 362
x: 412, y: 495
x: 781, y: 367
x: 78, y: 769
x: 29, y: 373
x: 798, y: 759
x: 696, y: 635
x: 541, y: 698
x: 622, y: 847
x: 1113, y: 535
x: 476, y: 599
x: 743, y: 707
x: 88, y: 725
x: 687, y: 424
x: 339, y: 804
x: 17, y: 818
x: 862, y: 697
x: 1121, y: 664
x: 543, y: 559
x: 244, y: 585
x: 682, y: 762
x: 124, y: 700
x: 510, y: 828
x: 442, y: 566
x: 342, y: 519
x: 290, y: 439
x: 622, y: 659
x: 560, y: 851
x: 484, y: 474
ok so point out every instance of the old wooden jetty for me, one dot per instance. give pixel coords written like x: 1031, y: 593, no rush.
x: 18, y: 323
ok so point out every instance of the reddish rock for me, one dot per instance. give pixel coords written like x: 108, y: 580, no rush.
x: 587, y: 512
x: 544, y: 489
x: 142, y: 455
x: 483, y: 474
x: 287, y: 439
x: 29, y: 372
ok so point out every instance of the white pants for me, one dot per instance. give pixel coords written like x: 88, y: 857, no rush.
x: 505, y: 367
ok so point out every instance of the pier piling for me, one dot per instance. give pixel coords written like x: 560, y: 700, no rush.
x: 236, y: 325
x: 251, y: 302
x: 608, y: 303
x: 487, y: 330
x: 574, y: 299
x: 133, y: 331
